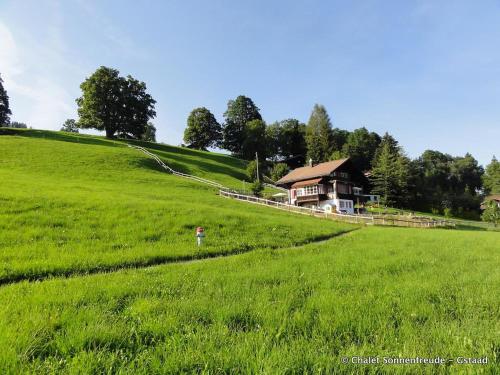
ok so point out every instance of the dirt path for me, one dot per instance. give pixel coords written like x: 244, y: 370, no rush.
x: 157, y: 261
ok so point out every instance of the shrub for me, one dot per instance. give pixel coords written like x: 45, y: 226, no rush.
x: 491, y: 213
x: 278, y: 171
x: 252, y: 171
x: 257, y: 188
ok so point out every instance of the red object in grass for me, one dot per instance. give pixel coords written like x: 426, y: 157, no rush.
x: 200, y: 230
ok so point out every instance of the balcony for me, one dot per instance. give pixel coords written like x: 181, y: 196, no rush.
x: 311, y: 198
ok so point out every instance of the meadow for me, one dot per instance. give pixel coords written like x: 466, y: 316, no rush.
x: 100, y: 274
x: 92, y: 205
x: 375, y: 291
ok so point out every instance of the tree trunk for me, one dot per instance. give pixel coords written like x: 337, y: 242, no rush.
x: 110, y: 133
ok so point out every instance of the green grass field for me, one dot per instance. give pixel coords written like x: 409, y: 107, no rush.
x: 287, y: 294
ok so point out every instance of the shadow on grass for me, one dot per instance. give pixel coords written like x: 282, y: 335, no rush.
x: 470, y: 227
x: 157, y: 260
x: 219, y: 158
x: 61, y: 136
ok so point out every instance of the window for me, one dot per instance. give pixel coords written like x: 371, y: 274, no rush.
x: 342, y: 188
x: 307, y: 190
x: 344, y: 175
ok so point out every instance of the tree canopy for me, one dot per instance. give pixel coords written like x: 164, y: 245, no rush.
x: 360, y: 147
x: 254, y: 140
x: 150, y: 133
x: 239, y: 112
x: 70, y: 126
x: 491, y: 178
x: 5, y: 111
x: 203, y: 130
x: 115, y: 104
x: 286, y: 142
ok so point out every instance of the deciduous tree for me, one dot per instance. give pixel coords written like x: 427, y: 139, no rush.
x: 150, y: 133
x: 279, y: 170
x: 254, y: 140
x: 115, y: 104
x: 360, y: 147
x: 491, y: 213
x: 70, y: 126
x: 5, y: 111
x: 239, y: 112
x: 203, y: 130
x: 491, y: 178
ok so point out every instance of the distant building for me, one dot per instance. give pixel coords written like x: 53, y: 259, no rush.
x: 334, y: 186
x: 493, y: 197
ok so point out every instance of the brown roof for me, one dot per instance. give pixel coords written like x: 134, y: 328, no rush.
x: 493, y: 197
x: 306, y: 182
x: 304, y: 173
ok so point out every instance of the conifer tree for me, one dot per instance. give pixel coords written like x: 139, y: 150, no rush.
x: 318, y: 135
x: 390, y: 172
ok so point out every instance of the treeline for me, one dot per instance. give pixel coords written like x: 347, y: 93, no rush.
x: 434, y: 182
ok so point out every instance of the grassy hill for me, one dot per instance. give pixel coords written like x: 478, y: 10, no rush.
x: 71, y: 205
x: 79, y: 204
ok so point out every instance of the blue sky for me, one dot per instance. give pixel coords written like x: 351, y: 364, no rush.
x: 427, y: 72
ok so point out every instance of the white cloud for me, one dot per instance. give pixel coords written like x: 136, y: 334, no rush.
x: 37, y: 95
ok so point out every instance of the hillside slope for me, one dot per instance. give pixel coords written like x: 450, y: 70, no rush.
x: 77, y: 204
x: 72, y: 205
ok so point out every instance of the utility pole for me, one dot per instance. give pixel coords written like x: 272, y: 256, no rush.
x: 257, y: 160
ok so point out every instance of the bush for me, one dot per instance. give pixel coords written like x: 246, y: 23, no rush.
x: 278, y: 171
x: 257, y: 188
x: 252, y: 171
x: 492, y: 213
x: 448, y: 212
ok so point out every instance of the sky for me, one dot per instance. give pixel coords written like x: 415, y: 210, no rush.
x: 427, y: 72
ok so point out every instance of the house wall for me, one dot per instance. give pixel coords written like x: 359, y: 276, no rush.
x: 337, y: 205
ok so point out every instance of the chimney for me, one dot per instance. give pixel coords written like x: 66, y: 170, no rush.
x: 310, y: 162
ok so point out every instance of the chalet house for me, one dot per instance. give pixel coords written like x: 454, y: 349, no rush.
x: 334, y: 186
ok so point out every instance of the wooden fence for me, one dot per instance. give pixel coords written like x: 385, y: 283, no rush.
x: 357, y: 219
x: 414, y: 222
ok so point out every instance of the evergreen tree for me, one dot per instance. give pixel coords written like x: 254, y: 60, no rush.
x: 5, y: 111
x: 390, y: 173
x: 318, y: 135
x: 239, y: 112
x: 384, y: 177
x: 491, y: 178
x: 202, y: 129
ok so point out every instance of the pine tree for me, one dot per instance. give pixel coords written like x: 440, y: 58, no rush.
x: 390, y: 172
x: 318, y: 135
x: 384, y: 176
x: 4, y: 106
